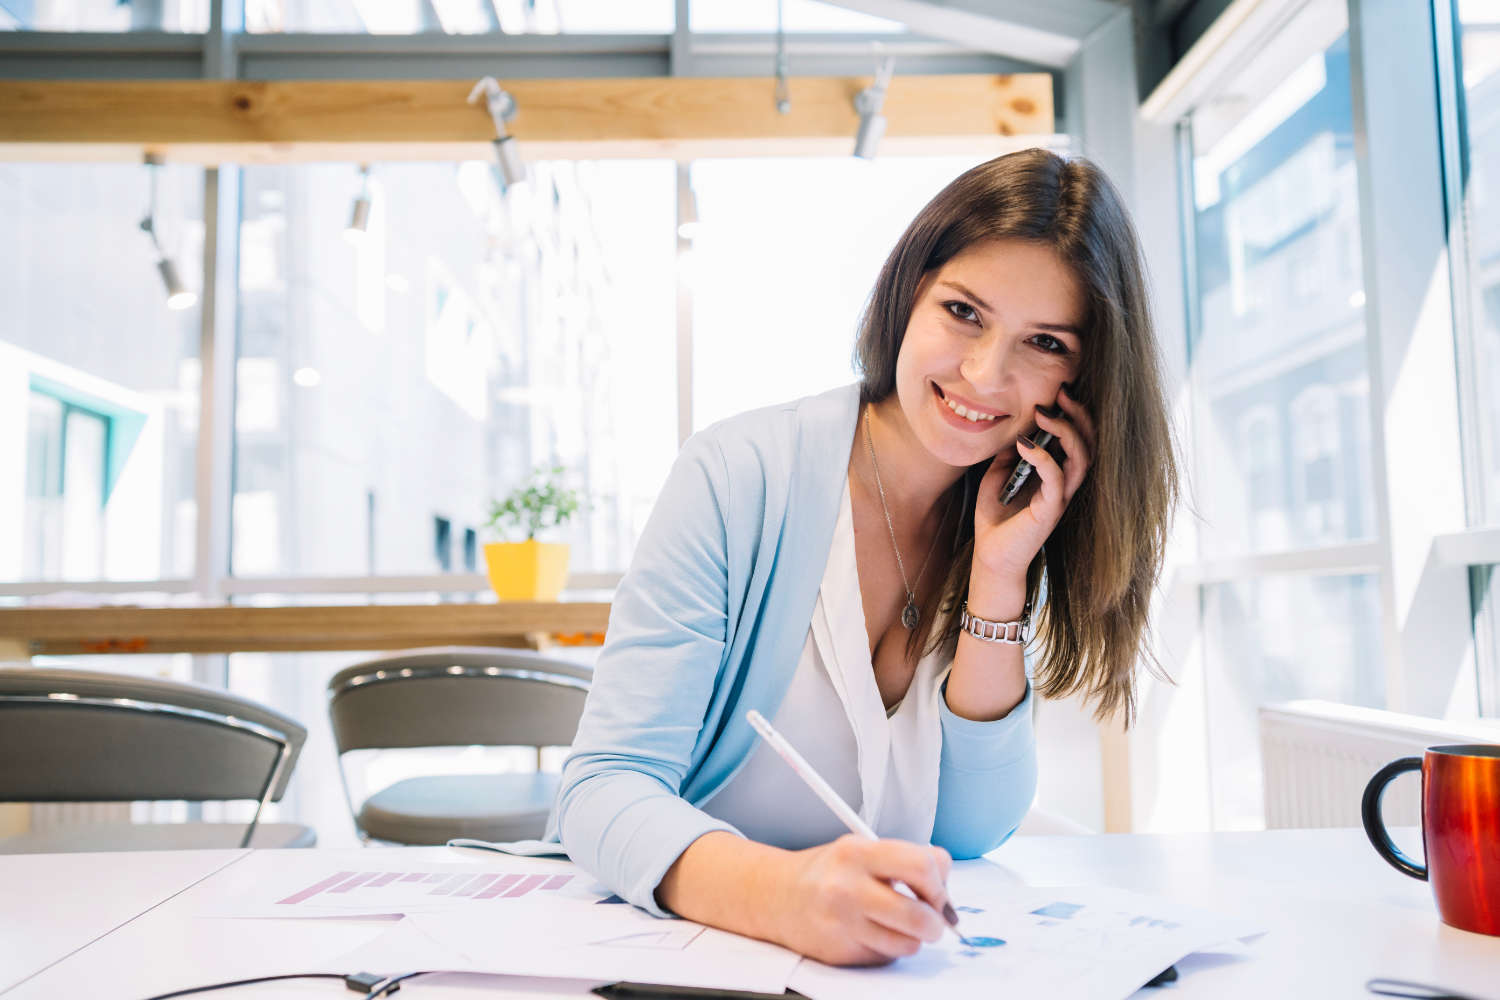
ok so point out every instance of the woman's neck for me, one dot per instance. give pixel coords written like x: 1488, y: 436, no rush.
x: 913, y: 480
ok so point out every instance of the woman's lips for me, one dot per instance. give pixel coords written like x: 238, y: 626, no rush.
x: 961, y: 423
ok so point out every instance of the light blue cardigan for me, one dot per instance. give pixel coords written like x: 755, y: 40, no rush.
x: 710, y: 622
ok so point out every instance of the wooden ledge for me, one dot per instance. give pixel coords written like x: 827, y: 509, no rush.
x: 249, y: 121
x: 243, y: 629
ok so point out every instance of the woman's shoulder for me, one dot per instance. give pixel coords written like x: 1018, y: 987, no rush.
x: 778, y: 433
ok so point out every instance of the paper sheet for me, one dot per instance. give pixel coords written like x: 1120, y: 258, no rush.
x: 404, y: 948
x: 515, y: 916
x: 1065, y: 943
x: 608, y: 941
x: 351, y: 891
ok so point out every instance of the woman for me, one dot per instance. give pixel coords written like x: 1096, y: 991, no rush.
x: 816, y: 561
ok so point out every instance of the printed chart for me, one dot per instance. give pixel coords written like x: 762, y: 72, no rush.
x: 379, y: 888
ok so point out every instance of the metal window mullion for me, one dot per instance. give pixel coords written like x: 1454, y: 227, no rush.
x: 1415, y: 463
x: 213, y: 487
x: 226, y: 24
x: 680, y: 57
x: 1453, y: 128
x: 684, y: 311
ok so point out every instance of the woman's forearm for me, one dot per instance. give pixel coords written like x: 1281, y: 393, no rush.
x: 988, y: 679
x: 716, y: 879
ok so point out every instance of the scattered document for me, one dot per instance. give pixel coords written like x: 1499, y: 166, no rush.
x: 1062, y: 943
x: 607, y: 940
x: 515, y: 916
x: 353, y: 891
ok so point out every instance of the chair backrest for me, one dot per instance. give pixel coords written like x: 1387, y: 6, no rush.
x: 457, y: 696
x: 88, y: 736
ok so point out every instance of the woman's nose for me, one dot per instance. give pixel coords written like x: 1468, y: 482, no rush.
x: 988, y: 367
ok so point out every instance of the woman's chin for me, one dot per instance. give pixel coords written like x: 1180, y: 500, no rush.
x: 944, y: 445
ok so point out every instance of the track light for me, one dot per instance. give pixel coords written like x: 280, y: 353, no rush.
x: 178, y: 295
x: 783, y: 91
x: 502, y: 108
x: 689, y: 226
x: 359, y: 218
x: 868, y: 103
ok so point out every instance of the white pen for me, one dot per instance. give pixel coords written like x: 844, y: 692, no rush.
x: 831, y: 799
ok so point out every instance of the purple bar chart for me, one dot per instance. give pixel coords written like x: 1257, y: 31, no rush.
x: 468, y: 885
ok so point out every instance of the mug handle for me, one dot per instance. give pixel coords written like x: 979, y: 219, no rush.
x: 1369, y: 812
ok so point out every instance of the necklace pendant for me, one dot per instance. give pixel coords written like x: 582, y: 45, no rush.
x: 909, y: 615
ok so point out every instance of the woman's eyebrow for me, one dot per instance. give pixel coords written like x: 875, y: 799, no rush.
x: 964, y: 291
x: 1052, y: 327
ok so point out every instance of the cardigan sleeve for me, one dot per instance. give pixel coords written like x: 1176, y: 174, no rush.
x: 619, y: 812
x: 987, y: 778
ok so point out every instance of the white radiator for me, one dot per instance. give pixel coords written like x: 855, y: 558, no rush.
x: 1317, y: 757
x: 52, y: 814
x: 49, y: 814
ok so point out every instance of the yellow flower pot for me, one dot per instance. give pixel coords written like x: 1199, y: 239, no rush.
x: 527, y: 571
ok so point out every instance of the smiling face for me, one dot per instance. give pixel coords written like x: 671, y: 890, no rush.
x: 993, y: 334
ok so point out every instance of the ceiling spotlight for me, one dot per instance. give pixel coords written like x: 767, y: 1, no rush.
x: 502, y: 108
x: 359, y: 218
x: 689, y: 226
x: 783, y: 91
x: 868, y: 103
x: 178, y: 295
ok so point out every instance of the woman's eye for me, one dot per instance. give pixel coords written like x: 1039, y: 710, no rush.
x: 962, y: 310
x: 1050, y: 344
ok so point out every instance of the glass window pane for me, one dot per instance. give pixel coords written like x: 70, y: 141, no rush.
x: 104, y: 15
x: 1275, y: 639
x: 1483, y: 590
x: 1279, y: 363
x: 759, y: 16
x: 461, y: 17
x: 762, y: 295
x: 403, y: 380
x: 1480, y: 44
x: 98, y: 378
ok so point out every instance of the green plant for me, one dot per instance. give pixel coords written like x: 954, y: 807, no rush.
x: 542, y: 501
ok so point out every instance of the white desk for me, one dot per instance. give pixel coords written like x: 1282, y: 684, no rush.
x: 53, y: 905
x: 1338, y: 916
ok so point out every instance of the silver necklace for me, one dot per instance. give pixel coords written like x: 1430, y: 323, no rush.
x: 910, y: 616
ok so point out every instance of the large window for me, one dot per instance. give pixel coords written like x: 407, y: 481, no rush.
x: 98, y: 377
x: 759, y: 16
x: 104, y: 15
x: 461, y: 17
x: 394, y: 380
x: 1280, y: 387
x: 1275, y: 639
x: 1279, y: 362
x: 1479, y: 27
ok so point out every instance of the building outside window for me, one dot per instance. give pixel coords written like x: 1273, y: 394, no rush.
x: 98, y: 377
x: 1280, y: 395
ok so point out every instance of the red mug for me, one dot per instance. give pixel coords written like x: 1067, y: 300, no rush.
x: 1460, y: 831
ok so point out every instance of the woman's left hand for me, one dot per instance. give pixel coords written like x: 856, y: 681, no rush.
x: 1007, y: 538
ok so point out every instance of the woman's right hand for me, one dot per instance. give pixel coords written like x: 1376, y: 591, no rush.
x: 837, y: 903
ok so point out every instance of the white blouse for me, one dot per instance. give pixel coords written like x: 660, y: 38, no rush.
x: 884, y: 765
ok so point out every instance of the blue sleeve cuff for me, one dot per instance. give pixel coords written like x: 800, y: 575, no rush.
x: 974, y: 746
x: 688, y: 824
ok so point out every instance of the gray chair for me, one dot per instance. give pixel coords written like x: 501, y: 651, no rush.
x: 457, y: 696
x: 87, y: 736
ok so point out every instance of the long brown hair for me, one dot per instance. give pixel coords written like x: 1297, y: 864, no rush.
x: 1103, y: 558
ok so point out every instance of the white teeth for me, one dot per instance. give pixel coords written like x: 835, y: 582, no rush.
x: 969, y: 415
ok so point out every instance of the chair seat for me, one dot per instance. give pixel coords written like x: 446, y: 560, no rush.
x: 89, y: 837
x: 433, y: 810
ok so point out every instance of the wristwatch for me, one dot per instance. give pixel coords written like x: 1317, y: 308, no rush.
x: 1016, y: 633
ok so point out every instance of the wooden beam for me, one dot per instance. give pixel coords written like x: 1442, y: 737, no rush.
x: 236, y: 628
x: 247, y: 121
